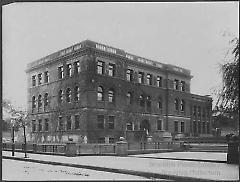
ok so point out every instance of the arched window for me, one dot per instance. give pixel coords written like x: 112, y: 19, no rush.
x: 33, y: 102
x: 129, y: 98
x: 39, y: 101
x: 100, y: 94
x: 68, y: 95
x: 182, y: 105
x: 176, y: 104
x: 111, y: 95
x: 77, y: 93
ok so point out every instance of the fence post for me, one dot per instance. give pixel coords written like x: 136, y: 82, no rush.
x: 71, y: 149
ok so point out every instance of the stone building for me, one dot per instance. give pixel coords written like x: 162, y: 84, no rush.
x: 96, y: 93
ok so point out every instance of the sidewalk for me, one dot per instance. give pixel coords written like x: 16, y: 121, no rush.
x: 148, y: 167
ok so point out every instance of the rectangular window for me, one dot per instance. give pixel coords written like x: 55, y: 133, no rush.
x: 208, y: 127
x: 203, y: 127
x: 176, y: 84
x: 111, y: 140
x: 69, y: 70
x: 100, y: 67
x: 182, y: 85
x: 77, y: 120
x: 60, y: 124
x: 159, y: 81
x: 140, y: 77
x: 100, y: 119
x: 33, y: 125
x: 199, y: 127
x: 77, y: 67
x: 149, y: 79
x: 39, y: 125
x: 34, y: 80
x: 69, y: 123
x: 194, y: 110
x: 129, y: 126
x: 159, y: 125
x: 39, y: 78
x: 199, y: 111
x: 111, y: 122
x: 111, y: 69
x: 46, y: 124
x: 60, y: 72
x: 176, y: 126
x: 129, y: 75
x: 46, y: 77
x: 182, y: 127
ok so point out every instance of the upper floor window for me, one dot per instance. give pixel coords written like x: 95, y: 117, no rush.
x: 159, y: 125
x: 33, y: 102
x: 60, y: 124
x: 182, y: 127
x: 34, y: 80
x: 46, y: 124
x: 100, y: 94
x: 39, y: 101
x: 111, y: 95
x: 111, y: 122
x: 149, y: 79
x: 176, y: 84
x: 176, y: 104
x: 77, y: 120
x: 69, y: 123
x: 140, y: 77
x: 40, y: 125
x: 68, y: 95
x: 194, y: 110
x: 111, y: 69
x: 148, y: 103
x: 176, y: 126
x: 77, y: 93
x: 100, y: 119
x: 129, y: 98
x: 60, y: 96
x: 160, y: 103
x: 46, y: 101
x: 46, y: 77
x: 199, y: 111
x: 39, y: 78
x: 182, y: 85
x: 100, y: 67
x: 60, y: 72
x: 141, y: 100
x: 159, y: 81
x: 33, y: 125
x: 129, y: 75
x: 69, y: 70
x: 182, y: 105
x: 77, y: 67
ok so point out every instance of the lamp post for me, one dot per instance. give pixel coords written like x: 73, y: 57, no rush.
x: 13, y: 143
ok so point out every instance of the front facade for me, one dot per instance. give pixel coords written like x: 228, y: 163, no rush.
x: 96, y: 93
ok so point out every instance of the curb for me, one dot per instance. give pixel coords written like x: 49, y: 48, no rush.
x: 197, y: 160
x: 121, y: 171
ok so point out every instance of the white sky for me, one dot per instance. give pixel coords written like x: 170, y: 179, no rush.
x: 191, y: 35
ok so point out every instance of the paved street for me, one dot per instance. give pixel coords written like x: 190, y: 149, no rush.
x: 192, y: 169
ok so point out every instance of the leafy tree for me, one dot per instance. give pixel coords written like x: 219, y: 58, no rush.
x: 228, y: 99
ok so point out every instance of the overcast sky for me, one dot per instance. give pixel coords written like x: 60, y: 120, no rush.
x: 191, y: 35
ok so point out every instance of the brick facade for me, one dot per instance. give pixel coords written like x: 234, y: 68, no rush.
x: 100, y: 104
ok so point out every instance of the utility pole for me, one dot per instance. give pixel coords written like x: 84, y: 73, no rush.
x: 25, y: 141
x: 13, y: 145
